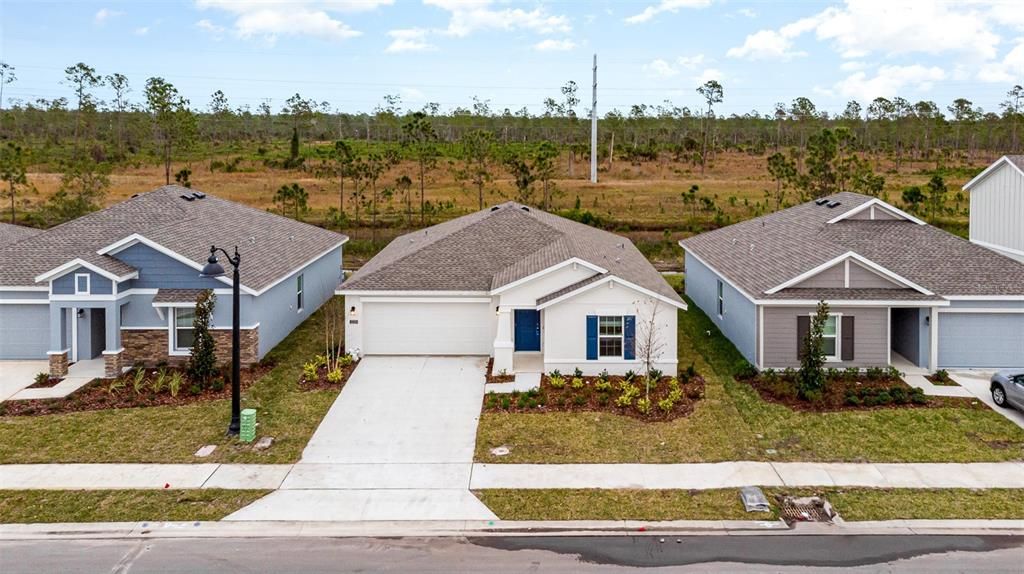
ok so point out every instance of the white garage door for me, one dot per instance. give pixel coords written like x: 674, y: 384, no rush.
x: 981, y: 340
x: 428, y: 328
x: 24, y: 331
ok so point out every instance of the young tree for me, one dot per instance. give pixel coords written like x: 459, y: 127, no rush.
x: 83, y: 185
x: 650, y: 346
x: 173, y: 122
x: 544, y: 170
x: 811, y: 379
x: 376, y: 164
x: 7, y: 76
x: 403, y: 185
x: 712, y: 93
x: 344, y: 158
x: 783, y: 171
x: 292, y: 198
x: 522, y: 176
x: 1011, y: 110
x: 82, y: 78
x: 936, y: 195
x: 119, y: 84
x: 202, y: 360
x: 569, y: 102
x: 13, y: 163
x: 477, y: 154
x: 420, y: 135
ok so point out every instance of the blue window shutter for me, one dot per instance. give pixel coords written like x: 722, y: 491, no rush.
x: 591, y: 337
x: 629, y: 344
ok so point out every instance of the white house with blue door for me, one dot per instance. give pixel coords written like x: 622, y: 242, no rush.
x: 900, y: 292
x: 120, y: 285
x: 532, y: 290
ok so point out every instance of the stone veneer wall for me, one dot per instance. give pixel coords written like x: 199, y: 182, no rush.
x: 149, y: 347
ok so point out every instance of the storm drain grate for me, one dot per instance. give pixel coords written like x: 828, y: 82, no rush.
x: 811, y: 509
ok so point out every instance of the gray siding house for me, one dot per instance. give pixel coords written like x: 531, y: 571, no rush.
x: 120, y: 285
x: 900, y: 292
x: 997, y: 207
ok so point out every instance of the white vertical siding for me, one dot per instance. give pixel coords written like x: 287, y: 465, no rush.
x: 997, y: 209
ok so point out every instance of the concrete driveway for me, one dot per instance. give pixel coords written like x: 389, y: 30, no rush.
x: 16, y: 375
x: 397, y: 444
x: 977, y: 383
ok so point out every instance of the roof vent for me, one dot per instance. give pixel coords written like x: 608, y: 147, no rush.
x: 833, y: 204
x: 524, y: 208
x: 187, y: 197
x: 821, y: 201
x: 198, y: 195
x: 134, y: 195
x: 495, y: 208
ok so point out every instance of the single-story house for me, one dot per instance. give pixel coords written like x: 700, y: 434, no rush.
x: 997, y: 207
x: 901, y: 292
x: 120, y: 284
x: 528, y: 288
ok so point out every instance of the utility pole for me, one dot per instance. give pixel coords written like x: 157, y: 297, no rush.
x: 593, y: 129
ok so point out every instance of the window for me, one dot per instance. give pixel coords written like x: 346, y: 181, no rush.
x: 298, y: 294
x: 184, y: 336
x: 609, y: 336
x: 721, y: 300
x: 81, y: 283
x: 830, y: 338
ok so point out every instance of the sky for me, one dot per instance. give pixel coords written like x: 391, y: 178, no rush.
x: 514, y: 54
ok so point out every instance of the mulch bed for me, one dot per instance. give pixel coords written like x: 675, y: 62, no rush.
x: 50, y: 382
x: 941, y: 381
x: 492, y: 378
x: 99, y: 394
x: 597, y: 395
x: 321, y: 381
x: 847, y: 393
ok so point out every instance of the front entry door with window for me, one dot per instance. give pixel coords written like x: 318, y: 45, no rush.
x: 527, y: 330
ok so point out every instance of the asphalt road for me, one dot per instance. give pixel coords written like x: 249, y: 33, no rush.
x: 933, y: 554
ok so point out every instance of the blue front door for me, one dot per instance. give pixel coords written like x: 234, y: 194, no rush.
x: 527, y: 330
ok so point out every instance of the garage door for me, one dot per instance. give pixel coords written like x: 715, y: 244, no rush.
x: 981, y: 340
x: 24, y: 331
x: 428, y: 328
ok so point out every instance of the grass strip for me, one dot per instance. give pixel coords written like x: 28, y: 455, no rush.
x: 48, y: 506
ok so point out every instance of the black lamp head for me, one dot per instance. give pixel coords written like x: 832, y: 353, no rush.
x: 212, y: 267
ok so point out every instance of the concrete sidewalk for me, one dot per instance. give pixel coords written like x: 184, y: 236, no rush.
x: 306, y: 480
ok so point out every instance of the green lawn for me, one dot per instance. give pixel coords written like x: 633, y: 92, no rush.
x: 852, y: 504
x: 734, y: 423
x: 173, y: 434
x: 45, y: 506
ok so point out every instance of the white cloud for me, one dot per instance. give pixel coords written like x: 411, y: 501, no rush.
x: 552, y: 45
x: 1008, y: 70
x: 141, y: 31
x: 409, y: 40
x: 104, y: 14
x: 671, y: 6
x: 853, y: 66
x: 891, y: 27
x: 271, y: 18
x: 747, y: 13
x: 213, y: 29
x: 468, y: 16
x: 889, y: 81
x: 660, y: 68
x: 412, y: 95
x: 708, y: 75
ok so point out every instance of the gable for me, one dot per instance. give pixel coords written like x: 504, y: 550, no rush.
x: 539, y: 285
x: 847, y: 274
x: 1004, y: 167
x: 157, y: 270
x: 876, y: 210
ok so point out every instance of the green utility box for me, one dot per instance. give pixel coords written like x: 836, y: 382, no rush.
x: 247, y: 433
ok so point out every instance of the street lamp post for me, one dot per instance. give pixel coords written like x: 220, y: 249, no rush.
x: 215, y: 269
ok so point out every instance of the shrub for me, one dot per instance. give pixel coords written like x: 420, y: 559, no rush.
x: 492, y: 400
x: 174, y: 385
x: 603, y: 385
x: 893, y: 374
x: 942, y: 375
x: 334, y: 376
x: 577, y: 383
x: 42, y: 378
x: 655, y: 375
x: 870, y: 400
x: 899, y: 395
x: 555, y: 373
x: 812, y: 396
x: 853, y: 400
x: 602, y: 399
x: 666, y: 404
x: 789, y: 374
x: 310, y: 371
x: 195, y: 389
x: 770, y: 376
x: 577, y: 373
x: 523, y: 401
x: 643, y: 405
x: 884, y: 398
x: 629, y: 393
x: 918, y: 397
x: 116, y: 385
x: 160, y: 381
x: 556, y: 381
x: 603, y: 376
x: 345, y: 360
x: 851, y: 373
x: 629, y: 376
x: 743, y: 371
x: 506, y: 402
x: 579, y: 400
x: 875, y: 373
x: 783, y: 389
x: 202, y: 361
x: 139, y: 381
x: 691, y: 371
x: 217, y: 385
x: 831, y: 374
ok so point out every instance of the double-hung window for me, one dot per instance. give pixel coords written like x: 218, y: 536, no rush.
x: 609, y: 336
x: 184, y: 334
x: 299, y: 300
x: 830, y: 338
x: 721, y: 300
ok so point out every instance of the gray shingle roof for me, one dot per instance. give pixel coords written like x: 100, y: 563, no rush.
x: 764, y: 252
x: 494, y: 247
x: 11, y: 233
x: 271, y: 246
x: 836, y: 294
x: 176, y: 295
x: 1017, y: 160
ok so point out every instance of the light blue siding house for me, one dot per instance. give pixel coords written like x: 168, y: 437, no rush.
x: 120, y: 285
x: 900, y: 292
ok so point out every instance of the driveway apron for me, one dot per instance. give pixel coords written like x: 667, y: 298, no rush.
x: 397, y: 444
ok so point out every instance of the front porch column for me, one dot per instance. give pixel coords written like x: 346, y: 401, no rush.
x: 59, y: 343
x: 933, y: 337
x: 503, y: 344
x: 113, y: 354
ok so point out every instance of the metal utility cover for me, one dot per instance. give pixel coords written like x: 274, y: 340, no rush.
x: 754, y: 500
